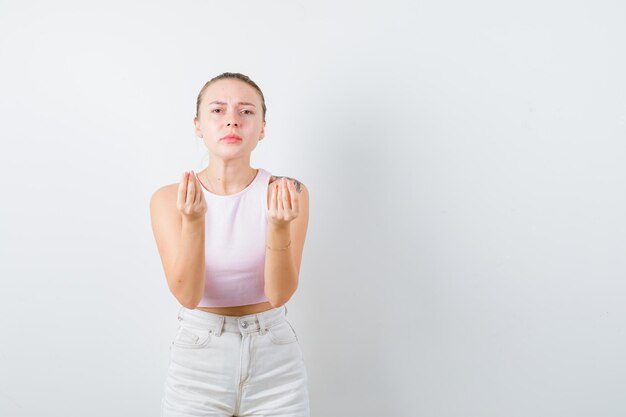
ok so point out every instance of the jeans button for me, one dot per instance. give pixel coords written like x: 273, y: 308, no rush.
x: 244, y: 324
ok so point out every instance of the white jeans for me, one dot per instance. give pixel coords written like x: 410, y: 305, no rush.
x: 223, y: 366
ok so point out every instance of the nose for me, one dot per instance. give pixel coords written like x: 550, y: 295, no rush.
x: 234, y: 120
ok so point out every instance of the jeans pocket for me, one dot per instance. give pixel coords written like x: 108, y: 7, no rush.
x: 282, y: 333
x: 189, y: 337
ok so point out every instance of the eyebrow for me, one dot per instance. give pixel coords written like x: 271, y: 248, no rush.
x: 244, y: 103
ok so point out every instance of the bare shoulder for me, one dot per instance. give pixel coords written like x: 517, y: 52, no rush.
x: 303, y: 192
x: 164, y: 193
x: 163, y: 203
x: 300, y: 187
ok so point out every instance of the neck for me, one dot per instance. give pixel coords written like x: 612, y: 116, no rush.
x: 227, y: 180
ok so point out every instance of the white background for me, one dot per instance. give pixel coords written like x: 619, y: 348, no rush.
x: 465, y: 163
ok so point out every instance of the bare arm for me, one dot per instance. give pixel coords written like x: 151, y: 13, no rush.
x: 281, y: 278
x: 179, y: 230
x: 289, y: 216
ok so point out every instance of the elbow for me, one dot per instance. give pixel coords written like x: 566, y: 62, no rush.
x: 183, y: 295
x: 278, y: 300
x: 276, y: 304
x: 190, y: 306
x: 274, y: 300
x: 188, y: 302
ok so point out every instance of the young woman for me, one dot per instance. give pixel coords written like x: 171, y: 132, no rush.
x: 230, y: 239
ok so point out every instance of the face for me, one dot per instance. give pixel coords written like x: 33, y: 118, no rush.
x: 230, y: 106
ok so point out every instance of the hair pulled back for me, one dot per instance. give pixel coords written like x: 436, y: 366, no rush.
x: 232, y: 75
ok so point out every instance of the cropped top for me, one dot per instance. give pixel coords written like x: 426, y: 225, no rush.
x: 235, y: 238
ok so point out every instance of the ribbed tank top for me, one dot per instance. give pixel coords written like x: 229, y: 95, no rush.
x: 235, y: 238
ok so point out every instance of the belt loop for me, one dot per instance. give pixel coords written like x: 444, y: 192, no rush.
x: 220, y: 326
x: 180, y: 313
x: 285, y: 309
x: 261, y: 319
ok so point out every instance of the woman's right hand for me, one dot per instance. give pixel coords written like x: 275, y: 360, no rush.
x: 191, y: 202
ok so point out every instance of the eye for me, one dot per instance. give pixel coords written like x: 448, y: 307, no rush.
x: 214, y: 110
x: 249, y: 112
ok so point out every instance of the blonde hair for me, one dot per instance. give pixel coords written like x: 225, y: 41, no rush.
x: 232, y: 75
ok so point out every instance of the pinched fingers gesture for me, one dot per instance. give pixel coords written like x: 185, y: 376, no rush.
x: 190, y: 201
x: 284, y: 205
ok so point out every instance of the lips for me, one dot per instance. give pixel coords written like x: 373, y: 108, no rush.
x: 231, y: 137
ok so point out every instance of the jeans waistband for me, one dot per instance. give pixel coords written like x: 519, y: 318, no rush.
x: 218, y: 323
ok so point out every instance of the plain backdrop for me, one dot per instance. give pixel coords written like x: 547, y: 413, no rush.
x: 465, y: 255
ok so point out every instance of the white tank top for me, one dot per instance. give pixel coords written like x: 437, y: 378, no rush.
x: 235, y: 238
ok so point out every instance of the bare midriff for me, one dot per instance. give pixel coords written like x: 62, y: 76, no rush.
x: 238, y: 310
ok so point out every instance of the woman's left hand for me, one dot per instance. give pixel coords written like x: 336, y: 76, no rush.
x: 284, y: 206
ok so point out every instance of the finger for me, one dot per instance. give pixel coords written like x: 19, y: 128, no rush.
x: 287, y: 194
x: 279, y: 197
x: 182, y: 189
x: 286, y: 205
x: 190, y: 189
x: 294, y: 196
x: 273, y: 204
x: 198, y: 191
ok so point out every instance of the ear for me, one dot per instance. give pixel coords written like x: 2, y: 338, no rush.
x: 262, y: 131
x: 196, y: 125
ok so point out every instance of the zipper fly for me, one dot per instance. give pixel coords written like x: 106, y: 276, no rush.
x: 245, y: 361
